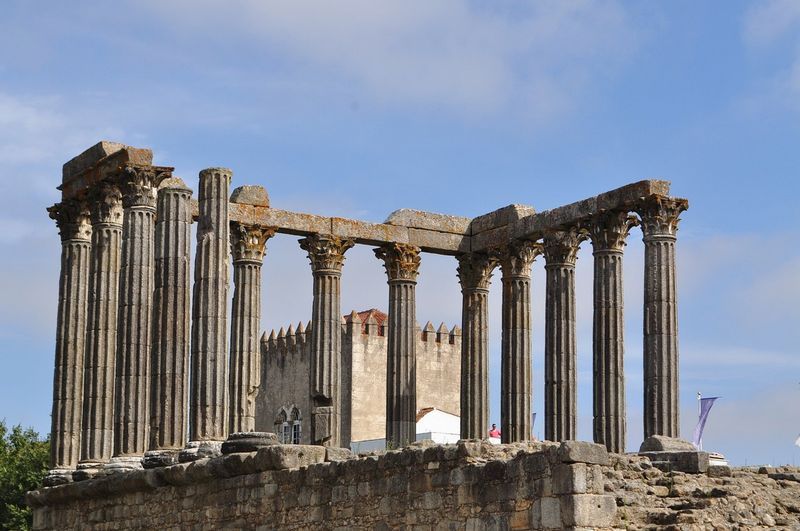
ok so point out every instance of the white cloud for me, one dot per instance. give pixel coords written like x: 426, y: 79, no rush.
x: 775, y: 26
x: 451, y: 54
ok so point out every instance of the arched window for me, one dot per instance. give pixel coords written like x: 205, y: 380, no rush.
x: 288, y: 425
x: 296, y: 425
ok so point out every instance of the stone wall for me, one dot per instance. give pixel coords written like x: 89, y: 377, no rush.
x: 472, y: 485
x: 285, y: 372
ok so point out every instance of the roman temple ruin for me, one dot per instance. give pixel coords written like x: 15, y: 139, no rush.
x: 150, y: 372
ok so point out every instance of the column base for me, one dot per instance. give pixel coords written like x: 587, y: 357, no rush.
x: 88, y: 470
x: 58, y: 476
x: 249, y: 441
x: 123, y: 463
x: 159, y: 458
x: 200, y: 450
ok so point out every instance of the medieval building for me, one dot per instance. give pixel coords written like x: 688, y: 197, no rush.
x: 283, y: 404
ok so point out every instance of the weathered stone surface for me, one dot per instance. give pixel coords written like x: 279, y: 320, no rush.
x: 499, y: 218
x: 418, y: 219
x: 158, y: 458
x: 583, y: 452
x: 96, y: 167
x: 663, y: 443
x: 89, y: 158
x: 250, y: 195
x: 333, y: 453
x: 588, y: 510
x: 285, y: 456
x: 693, y: 462
x: 250, y: 441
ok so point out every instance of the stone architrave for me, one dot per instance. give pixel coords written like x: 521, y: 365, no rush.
x: 402, y: 267
x: 139, y: 186
x: 560, y: 349
x: 608, y: 232
x: 326, y: 254
x: 474, y: 274
x: 74, y: 224
x: 515, y: 385
x: 170, y: 344
x: 659, y: 219
x: 248, y: 244
x: 208, y: 395
x: 101, y: 328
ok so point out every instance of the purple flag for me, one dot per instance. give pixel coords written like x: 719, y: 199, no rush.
x: 705, y: 407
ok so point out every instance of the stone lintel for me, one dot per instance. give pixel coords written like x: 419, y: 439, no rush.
x: 566, y: 216
x: 417, y: 219
x: 500, y: 218
x: 99, y: 162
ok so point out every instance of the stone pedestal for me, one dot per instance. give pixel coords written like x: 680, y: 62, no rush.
x: 608, y: 233
x: 247, y: 246
x: 101, y: 328
x: 402, y: 267
x: 515, y: 385
x: 326, y: 254
x: 132, y: 385
x: 170, y: 370
x: 74, y: 225
x: 208, y: 397
x: 560, y: 350
x: 660, y: 216
x: 474, y: 274
x: 250, y: 441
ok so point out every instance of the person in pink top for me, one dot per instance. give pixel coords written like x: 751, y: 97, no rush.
x: 494, y: 432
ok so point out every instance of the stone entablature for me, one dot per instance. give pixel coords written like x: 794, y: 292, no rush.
x: 472, y: 485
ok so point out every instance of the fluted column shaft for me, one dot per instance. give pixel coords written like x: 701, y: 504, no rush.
x: 560, y: 348
x: 170, y: 351
x: 209, y: 361
x: 516, y: 385
x: 608, y: 232
x: 247, y: 246
x: 660, y: 216
x: 474, y: 273
x: 132, y: 385
x: 101, y: 329
x: 326, y: 254
x: 74, y: 225
x: 402, y: 267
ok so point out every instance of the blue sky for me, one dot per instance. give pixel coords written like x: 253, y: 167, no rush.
x: 357, y: 108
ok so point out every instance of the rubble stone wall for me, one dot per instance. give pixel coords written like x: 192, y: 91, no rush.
x: 472, y: 485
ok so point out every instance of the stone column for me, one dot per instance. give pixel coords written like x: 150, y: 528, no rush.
x: 515, y: 385
x: 139, y: 186
x: 326, y: 254
x: 72, y: 218
x: 660, y: 216
x: 560, y: 350
x: 474, y: 274
x: 608, y: 232
x: 101, y: 328
x: 208, y: 396
x: 248, y: 244
x: 402, y: 267
x: 170, y: 352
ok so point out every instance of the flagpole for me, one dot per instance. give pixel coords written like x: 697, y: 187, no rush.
x: 699, y: 414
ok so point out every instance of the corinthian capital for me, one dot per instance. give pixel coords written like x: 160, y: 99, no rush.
x: 248, y: 242
x: 517, y: 257
x: 326, y: 252
x: 660, y: 215
x: 609, y: 230
x: 561, y: 246
x: 400, y: 260
x: 475, y: 270
x: 73, y: 220
x: 139, y: 185
x: 106, y: 205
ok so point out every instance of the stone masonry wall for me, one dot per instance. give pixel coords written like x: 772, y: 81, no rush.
x: 472, y: 485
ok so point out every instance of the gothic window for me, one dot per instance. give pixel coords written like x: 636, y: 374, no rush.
x: 289, y: 426
x: 296, y: 426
